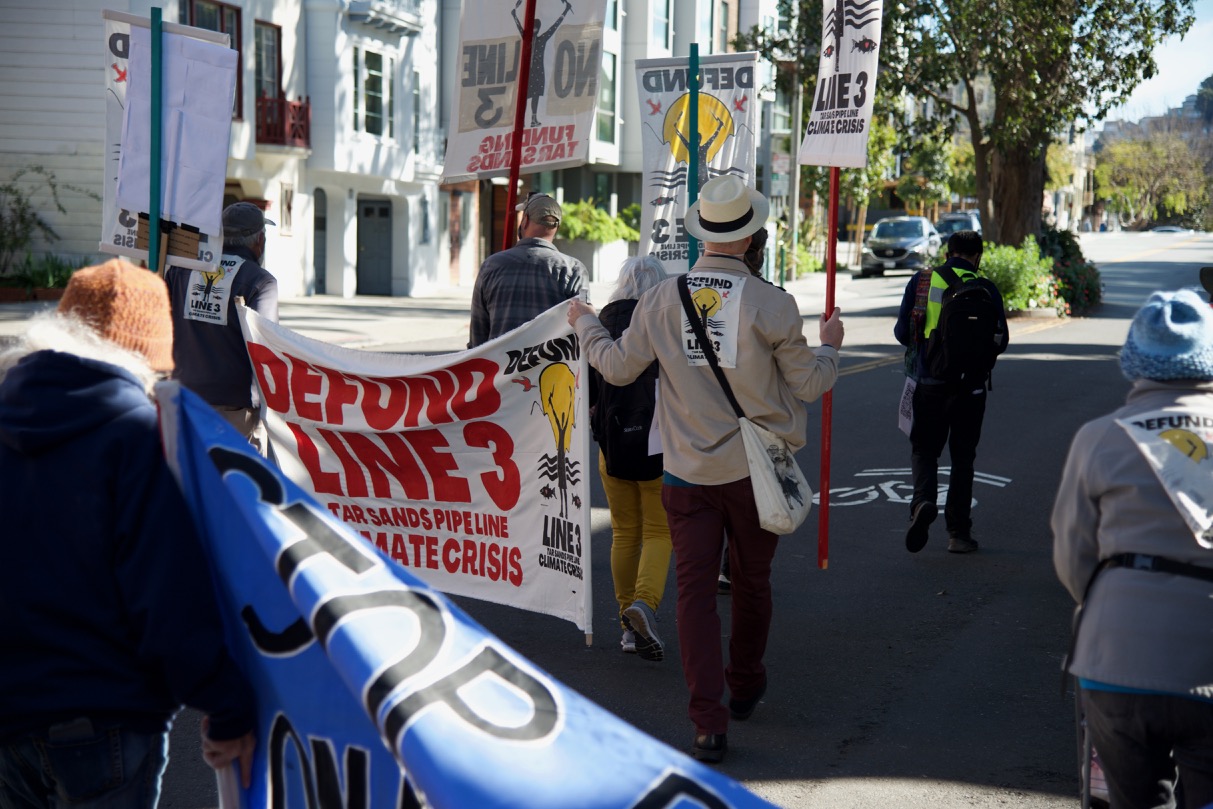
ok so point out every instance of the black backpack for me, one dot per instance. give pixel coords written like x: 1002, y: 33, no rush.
x: 623, y: 414
x: 622, y: 420
x: 968, y: 337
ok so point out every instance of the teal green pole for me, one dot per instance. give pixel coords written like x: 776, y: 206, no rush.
x: 153, y: 197
x: 783, y: 256
x: 693, y: 148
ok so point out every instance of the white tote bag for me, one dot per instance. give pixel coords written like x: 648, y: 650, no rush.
x: 781, y: 493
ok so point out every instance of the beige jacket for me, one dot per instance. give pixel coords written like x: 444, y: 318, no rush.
x: 1140, y: 629
x: 763, y: 354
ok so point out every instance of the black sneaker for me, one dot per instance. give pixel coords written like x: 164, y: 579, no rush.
x: 743, y: 709
x: 644, y: 623
x: 709, y: 747
x: 920, y: 525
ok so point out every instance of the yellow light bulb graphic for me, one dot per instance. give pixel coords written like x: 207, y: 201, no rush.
x: 715, y: 125
x: 557, y: 389
x: 1187, y: 442
x: 707, y: 302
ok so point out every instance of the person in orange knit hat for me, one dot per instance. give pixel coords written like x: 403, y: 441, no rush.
x: 109, y: 622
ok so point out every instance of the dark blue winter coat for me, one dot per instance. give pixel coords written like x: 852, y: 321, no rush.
x: 107, y: 609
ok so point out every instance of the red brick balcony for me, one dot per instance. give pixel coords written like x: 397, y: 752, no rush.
x: 284, y: 123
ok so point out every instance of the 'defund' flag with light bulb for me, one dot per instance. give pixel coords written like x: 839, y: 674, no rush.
x: 467, y: 468
x: 726, y: 107
x: 372, y: 689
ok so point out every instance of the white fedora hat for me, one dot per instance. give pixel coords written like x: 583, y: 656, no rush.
x: 726, y: 211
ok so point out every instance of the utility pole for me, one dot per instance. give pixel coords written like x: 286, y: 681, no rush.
x: 797, y: 134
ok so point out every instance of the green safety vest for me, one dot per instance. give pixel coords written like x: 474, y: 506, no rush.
x: 935, y: 298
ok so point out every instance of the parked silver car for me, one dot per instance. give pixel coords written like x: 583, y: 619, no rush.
x: 898, y: 243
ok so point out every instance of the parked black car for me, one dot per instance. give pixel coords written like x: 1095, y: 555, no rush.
x: 949, y: 223
x: 901, y: 242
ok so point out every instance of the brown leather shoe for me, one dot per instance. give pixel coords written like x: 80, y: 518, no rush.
x: 709, y: 747
x: 743, y: 709
x: 961, y: 544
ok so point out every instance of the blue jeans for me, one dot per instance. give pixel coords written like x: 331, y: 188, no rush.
x: 83, y: 767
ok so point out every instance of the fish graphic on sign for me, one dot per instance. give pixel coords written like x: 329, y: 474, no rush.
x: 850, y: 14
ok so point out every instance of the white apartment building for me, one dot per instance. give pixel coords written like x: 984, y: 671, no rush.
x: 334, y: 133
x: 338, y: 126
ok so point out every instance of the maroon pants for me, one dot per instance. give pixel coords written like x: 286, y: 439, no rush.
x: 699, y: 516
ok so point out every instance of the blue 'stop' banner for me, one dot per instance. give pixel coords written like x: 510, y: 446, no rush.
x: 332, y: 633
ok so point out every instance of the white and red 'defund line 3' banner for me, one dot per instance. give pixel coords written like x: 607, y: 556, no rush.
x: 468, y: 468
x: 561, y: 96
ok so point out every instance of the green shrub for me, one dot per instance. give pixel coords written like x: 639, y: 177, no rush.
x: 1076, y: 280
x: 1023, y: 276
x: 49, y: 271
x: 631, y: 217
x: 806, y: 262
x: 585, y: 220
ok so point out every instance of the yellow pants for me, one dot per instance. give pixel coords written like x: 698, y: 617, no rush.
x: 640, y: 544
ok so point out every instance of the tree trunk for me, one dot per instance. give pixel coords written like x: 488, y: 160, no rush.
x: 1017, y: 184
x: 981, y: 177
x: 860, y: 231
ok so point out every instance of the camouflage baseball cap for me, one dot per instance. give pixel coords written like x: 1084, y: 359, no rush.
x: 243, y: 219
x: 541, y: 208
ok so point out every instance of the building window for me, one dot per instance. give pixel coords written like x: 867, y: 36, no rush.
x: 723, y: 25
x: 417, y: 114
x: 661, y: 23
x: 602, y: 192
x: 226, y: 20
x: 781, y: 112
x: 705, y: 13
x: 612, y: 15
x: 606, y: 99
x: 268, y: 42
x: 373, y: 110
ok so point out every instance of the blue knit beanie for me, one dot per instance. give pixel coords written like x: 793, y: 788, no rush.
x: 1171, y: 338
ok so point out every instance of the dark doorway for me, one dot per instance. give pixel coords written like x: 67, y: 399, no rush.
x: 320, y: 244
x: 374, y: 246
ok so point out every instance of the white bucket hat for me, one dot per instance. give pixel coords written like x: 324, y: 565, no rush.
x: 726, y: 211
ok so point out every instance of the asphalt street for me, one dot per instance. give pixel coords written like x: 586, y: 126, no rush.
x: 896, y: 679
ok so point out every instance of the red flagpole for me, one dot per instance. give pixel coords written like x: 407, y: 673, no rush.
x: 827, y: 401
x: 524, y: 82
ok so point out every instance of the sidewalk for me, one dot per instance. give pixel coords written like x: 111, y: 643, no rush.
x: 422, y: 325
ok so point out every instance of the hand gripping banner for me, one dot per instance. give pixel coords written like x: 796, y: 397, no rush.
x: 372, y: 689
x: 468, y: 468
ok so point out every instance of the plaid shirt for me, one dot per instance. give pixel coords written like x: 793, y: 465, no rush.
x: 516, y: 285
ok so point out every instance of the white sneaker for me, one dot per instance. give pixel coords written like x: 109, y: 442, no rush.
x: 628, y: 643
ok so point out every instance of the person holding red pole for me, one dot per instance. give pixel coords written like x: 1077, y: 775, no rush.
x: 516, y: 285
x: 757, y: 333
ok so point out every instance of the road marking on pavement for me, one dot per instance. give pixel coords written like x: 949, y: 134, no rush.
x: 1153, y: 250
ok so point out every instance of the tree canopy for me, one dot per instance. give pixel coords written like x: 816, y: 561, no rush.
x: 1152, y: 178
x: 1044, y: 66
